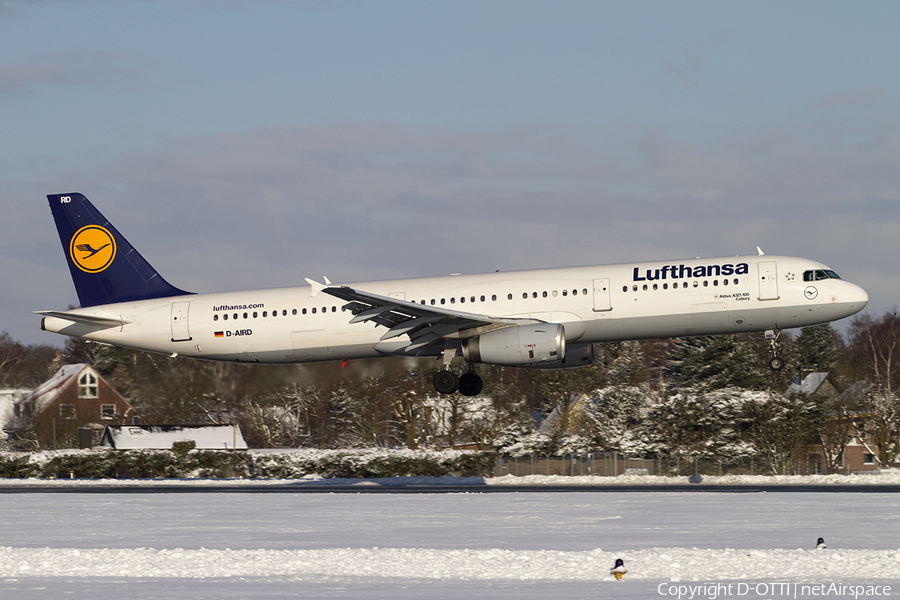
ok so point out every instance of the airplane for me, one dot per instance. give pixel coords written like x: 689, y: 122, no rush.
x: 548, y: 318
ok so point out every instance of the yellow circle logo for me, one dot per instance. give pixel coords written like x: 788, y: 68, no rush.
x: 92, y: 248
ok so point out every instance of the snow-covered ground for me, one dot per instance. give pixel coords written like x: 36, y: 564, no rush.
x: 885, y: 477
x: 463, y: 545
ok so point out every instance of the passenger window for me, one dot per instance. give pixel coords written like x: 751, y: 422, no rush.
x: 224, y: 317
x: 665, y: 286
x: 645, y: 287
x: 245, y: 315
x: 472, y: 299
x: 584, y: 291
x: 294, y: 312
x: 575, y: 292
x: 655, y: 287
x: 215, y: 317
x: 534, y: 294
x: 314, y: 310
x: 544, y: 294
x: 461, y: 300
x: 334, y: 309
x: 705, y: 283
x: 265, y: 314
x: 634, y: 288
x: 494, y: 298
x: 509, y: 296
x: 453, y: 300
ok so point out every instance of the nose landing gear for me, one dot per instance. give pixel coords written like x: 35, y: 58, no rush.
x: 776, y: 363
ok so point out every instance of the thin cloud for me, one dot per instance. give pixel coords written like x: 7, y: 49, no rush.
x: 75, y: 67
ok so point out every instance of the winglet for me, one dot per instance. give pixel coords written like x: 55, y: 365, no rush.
x: 758, y: 249
x: 316, y: 286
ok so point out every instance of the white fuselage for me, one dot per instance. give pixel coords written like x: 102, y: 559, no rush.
x: 594, y: 304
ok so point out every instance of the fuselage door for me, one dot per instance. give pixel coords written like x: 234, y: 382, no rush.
x: 180, y: 330
x: 768, y: 280
x: 602, y: 301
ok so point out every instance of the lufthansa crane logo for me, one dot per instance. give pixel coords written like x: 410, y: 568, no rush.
x: 92, y: 248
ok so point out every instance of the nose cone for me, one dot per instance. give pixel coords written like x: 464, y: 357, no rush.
x: 859, y: 296
x: 854, y: 298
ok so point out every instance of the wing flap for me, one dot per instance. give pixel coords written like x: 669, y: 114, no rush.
x: 428, y: 327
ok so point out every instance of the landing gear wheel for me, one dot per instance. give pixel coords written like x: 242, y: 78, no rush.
x: 470, y: 384
x: 445, y: 382
x: 777, y: 363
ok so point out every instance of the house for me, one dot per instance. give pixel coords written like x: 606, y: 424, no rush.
x: 8, y: 399
x: 162, y: 437
x: 76, y: 397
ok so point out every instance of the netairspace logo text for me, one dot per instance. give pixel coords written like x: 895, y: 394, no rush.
x: 712, y: 591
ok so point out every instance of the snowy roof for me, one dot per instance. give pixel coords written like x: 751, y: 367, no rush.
x: 147, y: 437
x: 549, y: 425
x: 47, y: 391
x: 809, y: 385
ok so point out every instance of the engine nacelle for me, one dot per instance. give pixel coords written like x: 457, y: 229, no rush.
x: 519, y: 345
x: 577, y: 355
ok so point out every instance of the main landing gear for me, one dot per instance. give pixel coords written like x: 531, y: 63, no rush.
x: 467, y: 384
x: 776, y: 363
x: 446, y: 382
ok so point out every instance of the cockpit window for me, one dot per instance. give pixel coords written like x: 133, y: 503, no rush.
x: 819, y: 274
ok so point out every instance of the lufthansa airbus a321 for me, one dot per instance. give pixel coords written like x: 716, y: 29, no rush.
x: 548, y: 318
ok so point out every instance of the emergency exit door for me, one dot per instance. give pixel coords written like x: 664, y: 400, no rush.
x: 601, y: 295
x: 768, y: 280
x: 180, y: 330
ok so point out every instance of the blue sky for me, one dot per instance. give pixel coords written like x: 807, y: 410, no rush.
x: 252, y: 144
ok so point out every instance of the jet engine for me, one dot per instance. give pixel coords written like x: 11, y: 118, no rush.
x: 519, y: 345
x: 577, y: 355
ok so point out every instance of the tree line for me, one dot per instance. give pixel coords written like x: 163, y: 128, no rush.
x: 691, y: 397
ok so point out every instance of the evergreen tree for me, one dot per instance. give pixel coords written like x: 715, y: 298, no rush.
x: 715, y: 362
x: 611, y: 417
x: 345, y: 418
x: 820, y: 346
x: 782, y: 426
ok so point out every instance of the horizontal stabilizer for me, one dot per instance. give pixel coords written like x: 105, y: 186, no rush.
x: 109, y: 321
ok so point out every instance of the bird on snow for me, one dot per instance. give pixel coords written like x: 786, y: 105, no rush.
x: 820, y: 544
x: 619, y: 569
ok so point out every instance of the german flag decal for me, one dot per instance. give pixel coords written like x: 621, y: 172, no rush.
x: 220, y: 334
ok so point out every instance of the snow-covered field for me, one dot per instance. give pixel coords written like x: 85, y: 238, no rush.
x: 464, y: 545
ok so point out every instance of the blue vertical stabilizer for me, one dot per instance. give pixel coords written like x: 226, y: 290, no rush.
x: 105, y: 267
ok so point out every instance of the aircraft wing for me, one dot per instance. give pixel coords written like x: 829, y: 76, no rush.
x: 427, y: 326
